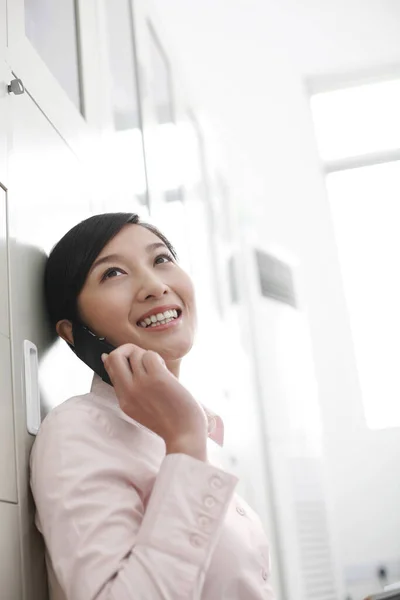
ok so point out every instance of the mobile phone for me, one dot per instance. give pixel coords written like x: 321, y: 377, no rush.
x: 89, y: 348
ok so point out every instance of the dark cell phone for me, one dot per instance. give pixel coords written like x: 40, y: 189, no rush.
x: 89, y: 348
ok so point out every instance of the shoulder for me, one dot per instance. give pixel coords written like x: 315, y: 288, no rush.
x: 81, y: 412
x: 90, y: 426
x: 79, y: 421
x: 84, y: 439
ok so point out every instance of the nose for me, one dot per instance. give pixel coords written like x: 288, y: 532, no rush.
x: 151, y: 286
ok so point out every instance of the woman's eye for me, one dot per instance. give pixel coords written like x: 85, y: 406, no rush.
x: 163, y: 258
x: 111, y: 273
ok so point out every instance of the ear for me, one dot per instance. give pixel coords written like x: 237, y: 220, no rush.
x: 64, y: 330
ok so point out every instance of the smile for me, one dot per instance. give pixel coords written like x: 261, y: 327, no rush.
x: 160, y: 319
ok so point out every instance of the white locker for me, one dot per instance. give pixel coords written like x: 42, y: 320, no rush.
x: 8, y: 480
x: 10, y: 551
x: 4, y: 324
x: 47, y: 195
x: 3, y: 95
x: 10, y: 557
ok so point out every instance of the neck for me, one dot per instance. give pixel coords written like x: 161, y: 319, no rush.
x: 174, y: 367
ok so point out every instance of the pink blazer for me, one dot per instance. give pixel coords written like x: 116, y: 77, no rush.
x: 123, y: 521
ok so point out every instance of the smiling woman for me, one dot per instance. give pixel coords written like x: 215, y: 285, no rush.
x: 128, y: 504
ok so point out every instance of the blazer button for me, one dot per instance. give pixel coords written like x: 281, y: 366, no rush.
x: 264, y: 574
x: 216, y: 482
x: 204, y: 522
x: 240, y: 510
x: 209, y: 501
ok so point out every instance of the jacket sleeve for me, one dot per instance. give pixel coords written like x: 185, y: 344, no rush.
x: 104, y: 544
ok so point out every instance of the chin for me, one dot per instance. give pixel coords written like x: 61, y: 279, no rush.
x: 176, y: 351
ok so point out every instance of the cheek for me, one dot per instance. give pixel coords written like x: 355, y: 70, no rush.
x: 187, y: 294
x: 102, y: 308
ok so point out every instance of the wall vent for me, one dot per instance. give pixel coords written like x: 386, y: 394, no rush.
x: 276, y: 279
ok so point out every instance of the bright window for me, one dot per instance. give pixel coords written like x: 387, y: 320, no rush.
x: 357, y: 120
x: 365, y: 207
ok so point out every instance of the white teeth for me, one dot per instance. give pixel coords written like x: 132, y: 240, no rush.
x: 159, y: 318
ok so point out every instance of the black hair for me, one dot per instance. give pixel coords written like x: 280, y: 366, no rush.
x: 70, y: 260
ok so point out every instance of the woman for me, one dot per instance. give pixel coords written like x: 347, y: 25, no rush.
x: 128, y: 505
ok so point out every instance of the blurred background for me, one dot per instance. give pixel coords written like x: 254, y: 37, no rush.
x: 263, y: 138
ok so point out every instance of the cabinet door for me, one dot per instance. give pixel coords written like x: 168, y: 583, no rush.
x: 10, y: 558
x: 8, y: 484
x: 47, y: 195
x: 4, y: 324
x: 52, y: 47
x: 4, y: 81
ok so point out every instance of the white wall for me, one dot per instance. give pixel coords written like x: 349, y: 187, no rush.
x: 247, y: 62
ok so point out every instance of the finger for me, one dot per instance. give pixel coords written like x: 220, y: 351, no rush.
x: 153, y: 363
x: 126, y: 350
x: 133, y: 355
x: 135, y: 361
x: 119, y: 368
x: 119, y: 372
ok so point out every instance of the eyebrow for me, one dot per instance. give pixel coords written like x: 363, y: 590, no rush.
x: 118, y: 257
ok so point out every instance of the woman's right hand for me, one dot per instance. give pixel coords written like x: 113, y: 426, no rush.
x: 148, y: 393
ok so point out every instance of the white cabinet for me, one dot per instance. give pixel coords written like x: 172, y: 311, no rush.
x: 47, y: 195
x: 4, y: 322
x: 44, y: 203
x: 55, y: 54
x: 10, y: 559
x: 4, y: 80
x: 8, y: 484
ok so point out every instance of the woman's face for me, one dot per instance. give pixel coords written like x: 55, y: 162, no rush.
x: 135, y: 292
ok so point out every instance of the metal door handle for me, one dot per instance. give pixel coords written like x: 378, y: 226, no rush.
x: 16, y: 87
x: 32, y: 393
